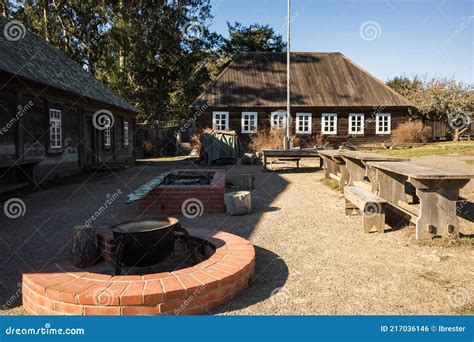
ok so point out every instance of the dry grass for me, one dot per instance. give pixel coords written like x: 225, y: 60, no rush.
x: 149, y: 148
x: 331, y: 184
x: 267, y: 139
x: 196, y: 139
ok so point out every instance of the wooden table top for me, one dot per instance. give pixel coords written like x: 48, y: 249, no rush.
x: 330, y: 153
x: 419, y: 171
x: 370, y: 156
x: 292, y: 153
x: 23, y: 161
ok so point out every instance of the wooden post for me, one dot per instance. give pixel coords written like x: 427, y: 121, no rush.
x: 247, y: 181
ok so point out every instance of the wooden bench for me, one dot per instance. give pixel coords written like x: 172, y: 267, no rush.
x: 334, y: 166
x: 296, y: 160
x: 371, y: 206
x: 356, y: 165
x: 289, y: 155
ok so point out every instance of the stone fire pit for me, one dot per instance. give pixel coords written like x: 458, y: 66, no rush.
x: 62, y: 289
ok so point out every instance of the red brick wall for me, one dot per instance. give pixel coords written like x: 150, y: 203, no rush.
x: 62, y: 289
x: 169, y: 199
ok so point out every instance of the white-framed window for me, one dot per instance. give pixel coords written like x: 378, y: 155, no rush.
x: 356, y: 123
x: 55, y: 129
x: 220, y: 121
x: 303, y: 123
x: 278, y: 120
x: 329, y: 123
x: 125, y: 133
x: 107, y: 135
x: 383, y: 123
x: 249, y: 122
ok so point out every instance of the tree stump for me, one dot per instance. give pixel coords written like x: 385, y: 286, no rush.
x: 247, y: 181
x: 249, y: 158
x: 238, y: 203
x: 84, y: 251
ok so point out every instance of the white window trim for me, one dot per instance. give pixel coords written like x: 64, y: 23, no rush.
x: 278, y: 113
x: 252, y: 116
x: 323, y: 120
x: 299, y: 116
x: 214, y: 120
x: 53, y: 142
x: 377, y: 123
x: 125, y: 133
x: 352, y: 127
x: 107, y: 133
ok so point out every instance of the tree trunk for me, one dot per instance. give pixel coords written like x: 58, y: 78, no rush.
x: 249, y: 158
x: 458, y: 133
x: 84, y: 251
x: 5, y: 8
x: 46, y: 19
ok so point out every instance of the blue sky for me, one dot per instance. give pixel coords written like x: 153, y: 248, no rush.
x: 401, y: 37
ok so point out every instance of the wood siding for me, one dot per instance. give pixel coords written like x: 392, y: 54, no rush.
x: 398, y: 115
x: 30, y: 140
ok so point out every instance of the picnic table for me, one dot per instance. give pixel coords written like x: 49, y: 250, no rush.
x: 290, y: 155
x: 437, y: 191
x: 356, y: 165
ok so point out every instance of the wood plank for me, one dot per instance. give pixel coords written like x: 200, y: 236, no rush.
x: 370, y: 156
x: 330, y: 153
x: 409, y: 208
x: 291, y: 153
x: 361, y: 197
x: 420, y: 171
x: 12, y: 187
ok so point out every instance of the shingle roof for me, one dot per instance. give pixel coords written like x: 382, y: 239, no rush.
x: 256, y: 79
x: 34, y: 59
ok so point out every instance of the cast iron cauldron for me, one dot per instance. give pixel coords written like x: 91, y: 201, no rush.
x: 144, y: 243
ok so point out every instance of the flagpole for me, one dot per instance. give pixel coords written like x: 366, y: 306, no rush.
x: 288, y: 115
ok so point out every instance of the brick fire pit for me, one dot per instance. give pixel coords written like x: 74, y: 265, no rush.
x: 191, y: 199
x: 62, y: 289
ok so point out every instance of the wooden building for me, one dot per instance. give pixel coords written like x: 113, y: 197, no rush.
x: 47, y: 107
x: 332, y: 99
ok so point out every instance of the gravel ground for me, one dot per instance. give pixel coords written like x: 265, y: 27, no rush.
x: 311, y: 259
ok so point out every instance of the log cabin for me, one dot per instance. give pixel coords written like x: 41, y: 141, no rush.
x: 48, y: 113
x: 332, y: 99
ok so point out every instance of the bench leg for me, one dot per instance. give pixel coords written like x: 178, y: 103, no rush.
x: 374, y: 217
x: 374, y: 221
x: 264, y: 166
x: 351, y: 209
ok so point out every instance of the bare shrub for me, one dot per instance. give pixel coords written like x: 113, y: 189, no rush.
x: 196, y: 139
x: 149, y: 148
x: 411, y: 132
x: 267, y: 139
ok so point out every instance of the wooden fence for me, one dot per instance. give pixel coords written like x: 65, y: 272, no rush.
x: 163, y: 138
x: 441, y: 130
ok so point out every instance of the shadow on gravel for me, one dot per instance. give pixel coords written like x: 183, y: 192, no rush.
x: 271, y: 273
x: 465, y: 209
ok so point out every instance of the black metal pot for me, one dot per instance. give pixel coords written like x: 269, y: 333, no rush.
x: 144, y: 243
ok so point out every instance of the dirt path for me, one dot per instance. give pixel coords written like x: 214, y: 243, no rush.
x: 334, y: 268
